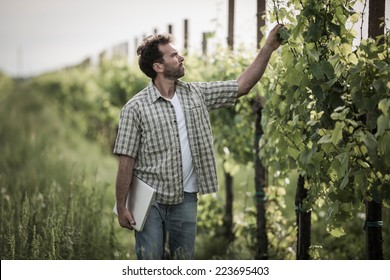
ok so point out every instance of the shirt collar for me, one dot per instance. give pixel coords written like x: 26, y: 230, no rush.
x: 154, y: 94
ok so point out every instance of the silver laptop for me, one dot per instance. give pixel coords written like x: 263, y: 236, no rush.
x: 138, y: 202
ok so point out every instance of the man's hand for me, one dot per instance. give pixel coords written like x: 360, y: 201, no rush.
x: 283, y: 35
x: 273, y: 40
x: 125, y: 218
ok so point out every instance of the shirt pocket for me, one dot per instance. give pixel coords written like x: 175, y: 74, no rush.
x: 158, y: 136
x: 199, y: 119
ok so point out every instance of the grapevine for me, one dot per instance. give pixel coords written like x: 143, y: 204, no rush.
x: 326, y: 88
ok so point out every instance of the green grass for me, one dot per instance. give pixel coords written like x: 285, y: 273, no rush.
x: 57, y: 187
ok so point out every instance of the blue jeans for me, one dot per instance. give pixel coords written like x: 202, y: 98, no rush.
x: 172, y: 225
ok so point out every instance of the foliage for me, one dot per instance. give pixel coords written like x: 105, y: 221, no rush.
x: 50, y: 208
x: 328, y: 112
x: 227, y: 123
x: 91, y: 98
x: 210, y: 242
x: 281, y: 232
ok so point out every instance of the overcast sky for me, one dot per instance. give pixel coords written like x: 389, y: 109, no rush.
x: 43, y: 35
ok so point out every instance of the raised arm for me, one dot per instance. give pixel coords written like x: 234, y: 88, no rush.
x: 248, y: 79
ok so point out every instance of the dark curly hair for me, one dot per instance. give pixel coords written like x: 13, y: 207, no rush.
x: 148, y: 52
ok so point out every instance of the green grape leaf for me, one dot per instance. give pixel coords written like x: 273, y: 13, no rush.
x: 337, y: 232
x: 384, y: 106
x: 371, y: 144
x: 337, y: 133
x: 317, y: 71
x: 327, y: 138
x: 283, y: 35
x: 383, y: 123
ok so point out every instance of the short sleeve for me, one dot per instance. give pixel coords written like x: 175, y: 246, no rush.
x: 219, y: 94
x: 128, y: 135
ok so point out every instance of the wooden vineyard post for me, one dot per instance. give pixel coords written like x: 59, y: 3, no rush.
x: 261, y: 174
x: 374, y: 223
x: 230, y: 38
x: 303, y: 221
x: 228, y: 222
x: 260, y: 185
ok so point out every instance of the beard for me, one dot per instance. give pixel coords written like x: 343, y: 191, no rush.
x: 174, y: 73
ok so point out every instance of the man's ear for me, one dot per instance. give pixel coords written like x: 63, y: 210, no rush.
x: 158, y: 67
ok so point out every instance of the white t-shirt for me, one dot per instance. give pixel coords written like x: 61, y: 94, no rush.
x: 189, y: 174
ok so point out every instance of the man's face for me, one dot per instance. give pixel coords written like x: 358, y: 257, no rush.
x: 172, y: 62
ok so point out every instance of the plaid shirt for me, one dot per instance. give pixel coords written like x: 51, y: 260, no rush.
x: 148, y: 131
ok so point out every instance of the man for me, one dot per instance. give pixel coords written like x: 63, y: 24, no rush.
x: 164, y: 138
